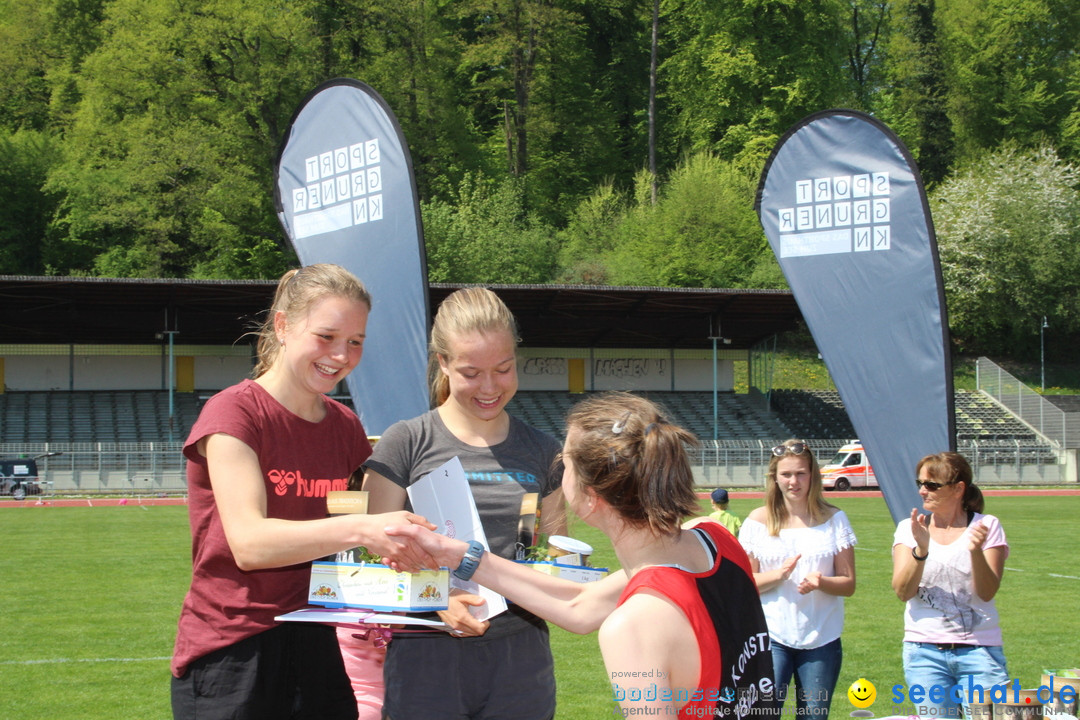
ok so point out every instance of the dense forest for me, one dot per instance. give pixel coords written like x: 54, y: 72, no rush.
x: 610, y: 142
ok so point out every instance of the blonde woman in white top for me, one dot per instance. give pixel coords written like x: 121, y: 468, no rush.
x: 801, y: 549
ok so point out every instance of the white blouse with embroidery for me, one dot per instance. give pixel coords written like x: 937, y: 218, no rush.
x: 800, y: 621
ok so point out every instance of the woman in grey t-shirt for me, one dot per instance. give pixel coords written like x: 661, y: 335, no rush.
x: 502, y: 667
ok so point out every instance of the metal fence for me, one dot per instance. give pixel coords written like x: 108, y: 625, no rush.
x: 159, y: 467
x: 743, y: 464
x: 1031, y: 407
x: 111, y: 468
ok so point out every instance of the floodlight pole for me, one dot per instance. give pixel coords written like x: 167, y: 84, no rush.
x: 1042, y: 355
x: 715, y: 386
x: 172, y: 379
x: 715, y: 397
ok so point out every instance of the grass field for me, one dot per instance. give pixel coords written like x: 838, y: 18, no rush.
x: 797, y: 365
x: 89, y: 599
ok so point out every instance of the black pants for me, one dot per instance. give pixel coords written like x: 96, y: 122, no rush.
x: 291, y: 672
x: 503, y: 678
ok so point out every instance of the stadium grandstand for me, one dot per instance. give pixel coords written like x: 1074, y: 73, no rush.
x: 111, y: 374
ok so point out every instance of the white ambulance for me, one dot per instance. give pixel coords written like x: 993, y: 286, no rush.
x: 848, y: 469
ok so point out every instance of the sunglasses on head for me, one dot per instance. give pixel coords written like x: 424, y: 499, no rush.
x: 931, y: 485
x: 794, y: 448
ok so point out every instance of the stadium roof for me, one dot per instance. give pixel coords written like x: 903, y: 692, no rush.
x: 42, y: 310
x: 591, y: 316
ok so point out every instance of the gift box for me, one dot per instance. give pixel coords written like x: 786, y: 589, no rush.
x: 377, y: 587
x: 576, y: 573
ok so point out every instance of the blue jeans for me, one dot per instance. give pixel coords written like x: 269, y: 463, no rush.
x: 929, y: 667
x: 815, y: 674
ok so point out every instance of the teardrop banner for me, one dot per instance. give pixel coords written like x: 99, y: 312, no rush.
x: 845, y: 211
x: 345, y: 194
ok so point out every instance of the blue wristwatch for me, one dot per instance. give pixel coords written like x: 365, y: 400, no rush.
x: 470, y: 562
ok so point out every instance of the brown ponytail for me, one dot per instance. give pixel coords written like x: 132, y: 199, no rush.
x: 952, y: 467
x: 471, y: 309
x: 627, y: 452
x: 297, y: 290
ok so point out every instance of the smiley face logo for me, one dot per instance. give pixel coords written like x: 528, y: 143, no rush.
x: 862, y: 693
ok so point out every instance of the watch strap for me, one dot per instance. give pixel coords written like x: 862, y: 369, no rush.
x: 471, y: 561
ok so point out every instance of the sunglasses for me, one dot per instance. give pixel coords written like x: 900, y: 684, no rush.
x: 794, y: 448
x: 932, y: 486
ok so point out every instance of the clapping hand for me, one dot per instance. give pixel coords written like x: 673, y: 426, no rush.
x: 810, y: 583
x: 977, y: 537
x: 920, y: 531
x: 788, y: 567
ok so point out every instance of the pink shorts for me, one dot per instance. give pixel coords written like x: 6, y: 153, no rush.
x: 364, y: 665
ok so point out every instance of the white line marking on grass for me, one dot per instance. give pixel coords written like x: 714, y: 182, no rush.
x: 60, y: 661
x: 1055, y: 575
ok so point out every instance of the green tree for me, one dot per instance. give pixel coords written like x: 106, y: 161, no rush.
x: 556, y: 91
x: 1008, y: 227
x: 24, y: 94
x: 591, y: 235
x: 487, y: 236
x: 740, y: 73
x: 702, y: 231
x: 1009, y: 65
x: 42, y: 45
x: 168, y: 164
x: 511, y: 45
x: 915, y: 106
x: 1070, y: 126
x: 618, y: 41
x: 869, y: 29
x: 26, y: 157
x: 408, y: 51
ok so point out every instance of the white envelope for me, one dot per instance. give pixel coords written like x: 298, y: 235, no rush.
x: 354, y: 616
x: 443, y: 496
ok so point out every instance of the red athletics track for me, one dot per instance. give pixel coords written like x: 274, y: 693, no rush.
x: 92, y: 502
x: 989, y: 492
x: 735, y: 494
